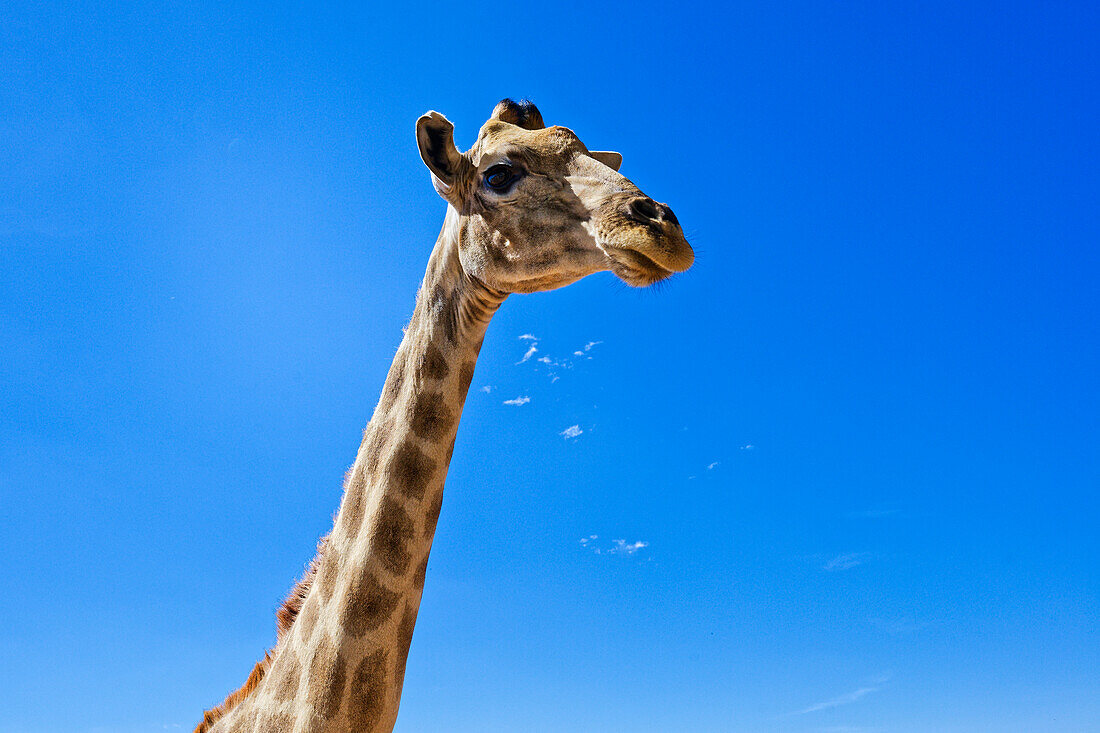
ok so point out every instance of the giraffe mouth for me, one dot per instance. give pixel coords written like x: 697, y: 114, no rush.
x: 636, y: 269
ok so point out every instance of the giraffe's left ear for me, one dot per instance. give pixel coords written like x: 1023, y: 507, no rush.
x: 608, y: 158
x: 435, y: 138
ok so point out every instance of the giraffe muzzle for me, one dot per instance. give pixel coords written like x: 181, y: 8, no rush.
x: 645, y: 210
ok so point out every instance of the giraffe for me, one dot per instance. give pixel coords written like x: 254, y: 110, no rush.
x: 529, y: 208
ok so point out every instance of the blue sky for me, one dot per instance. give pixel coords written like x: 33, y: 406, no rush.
x: 852, y: 456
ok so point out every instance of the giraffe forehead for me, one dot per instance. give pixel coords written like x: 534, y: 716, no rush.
x: 544, y: 146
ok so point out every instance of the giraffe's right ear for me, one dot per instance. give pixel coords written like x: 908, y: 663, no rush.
x: 435, y: 138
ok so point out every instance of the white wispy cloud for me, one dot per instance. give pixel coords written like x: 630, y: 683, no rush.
x: 845, y: 561
x: 518, y: 401
x: 487, y: 388
x: 711, y: 466
x: 583, y: 352
x: 748, y: 446
x: 551, y: 363
x: 846, y: 699
x: 531, y: 351
x: 617, y: 547
x: 571, y: 432
x: 623, y: 548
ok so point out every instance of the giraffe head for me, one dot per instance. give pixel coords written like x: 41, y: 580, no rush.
x: 533, y: 209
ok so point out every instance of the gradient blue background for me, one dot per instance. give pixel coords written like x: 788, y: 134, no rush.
x: 212, y: 225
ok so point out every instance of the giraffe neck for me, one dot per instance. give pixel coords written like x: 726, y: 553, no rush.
x: 342, y: 664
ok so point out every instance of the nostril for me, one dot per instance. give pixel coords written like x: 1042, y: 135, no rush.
x: 667, y: 215
x: 644, y: 210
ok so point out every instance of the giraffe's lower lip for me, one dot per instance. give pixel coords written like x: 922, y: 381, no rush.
x: 636, y: 269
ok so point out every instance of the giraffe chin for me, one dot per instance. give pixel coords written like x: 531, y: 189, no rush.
x: 635, y: 269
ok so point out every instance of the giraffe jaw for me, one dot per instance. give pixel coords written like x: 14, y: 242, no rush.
x: 636, y: 269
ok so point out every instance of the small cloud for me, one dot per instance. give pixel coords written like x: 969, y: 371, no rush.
x: 711, y: 466
x: 618, y: 547
x: 530, y: 352
x: 845, y: 699
x: 846, y: 561
x: 545, y: 360
x: 487, y: 388
x: 571, y: 432
x: 518, y: 401
x: 532, y: 349
x: 748, y: 446
x: 583, y: 353
x: 622, y: 548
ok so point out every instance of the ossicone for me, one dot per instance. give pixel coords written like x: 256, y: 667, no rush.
x: 521, y: 114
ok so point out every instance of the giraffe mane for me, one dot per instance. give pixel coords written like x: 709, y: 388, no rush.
x: 284, y: 620
x: 292, y: 604
x: 214, y: 714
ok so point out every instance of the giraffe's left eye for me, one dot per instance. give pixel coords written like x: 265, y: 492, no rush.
x: 500, y: 177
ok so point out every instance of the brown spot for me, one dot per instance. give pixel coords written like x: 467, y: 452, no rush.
x: 420, y: 574
x: 367, y: 698
x: 353, y: 507
x: 392, y: 532
x: 432, y: 517
x: 375, y: 443
x: 327, y: 671
x: 355, y: 489
x: 242, y: 723
x: 284, y: 683
x: 394, y: 379
x: 274, y: 721
x: 307, y: 621
x: 434, y: 366
x: 411, y: 470
x: 368, y: 605
x: 329, y: 572
x: 465, y: 376
x: 447, y: 315
x: 431, y: 418
x: 404, y: 641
